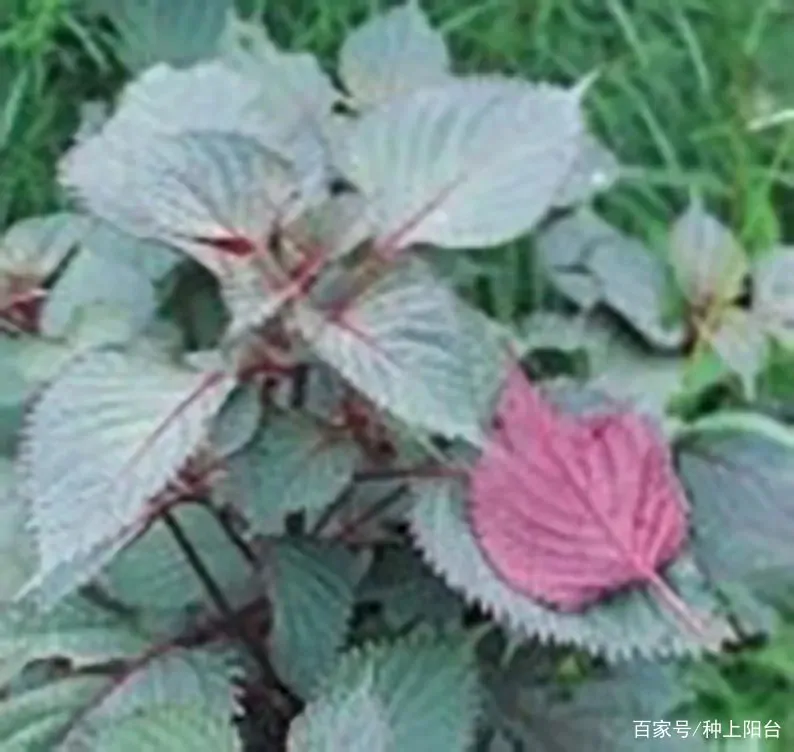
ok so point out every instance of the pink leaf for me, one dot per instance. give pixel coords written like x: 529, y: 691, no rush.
x: 570, y: 509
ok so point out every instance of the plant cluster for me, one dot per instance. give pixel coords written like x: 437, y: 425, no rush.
x: 270, y: 482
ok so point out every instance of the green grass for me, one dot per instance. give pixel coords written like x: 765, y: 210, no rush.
x: 677, y: 82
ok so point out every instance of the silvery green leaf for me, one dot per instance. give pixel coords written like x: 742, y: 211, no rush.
x: 36, y: 247
x: 709, y: 263
x: 102, y: 440
x: 153, y: 31
x: 11, y: 417
x: 153, y: 573
x: 294, y: 94
x: 565, y: 252
x: 354, y: 721
x: 546, y: 330
x: 190, y: 190
x: 28, y: 364
x: 14, y: 387
x: 355, y: 518
x: 401, y: 345
x: 629, y: 625
x: 741, y: 484
x: 290, y: 466
x: 427, y: 684
x: 94, y: 113
x: 595, y: 170
x: 181, y: 677
x: 338, y: 225
x: 250, y: 297
x: 92, y: 279
x: 409, y: 593
x: 172, y: 727
x: 30, y: 721
x: 168, y: 101
x: 773, y: 293
x: 325, y: 390
x: 626, y: 371
x: 741, y: 342
x: 17, y: 548
x: 237, y: 422
x: 489, y: 348
x: 35, y: 361
x: 154, y: 260
x: 392, y: 54
x: 603, y: 711
x: 591, y: 262
x: 76, y: 630
x: 471, y: 163
x: 635, y: 285
x: 312, y: 589
x: 47, y: 589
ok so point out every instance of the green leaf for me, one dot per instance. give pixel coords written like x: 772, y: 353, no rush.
x: 709, y: 263
x: 312, y: 589
x: 37, y: 246
x: 630, y: 624
x: 291, y: 466
x: 102, y: 440
x: 30, y: 362
x: 46, y: 589
x: 428, y: 686
x: 237, y: 422
x: 71, y: 714
x: 408, y: 592
x: 168, y: 101
x: 76, y: 630
x: 742, y: 488
x: 773, y: 294
x: 92, y: 279
x: 294, y: 95
x: 186, y: 678
x: 590, y: 262
x: 544, y: 330
x: 602, y: 712
x: 354, y: 721
x: 647, y: 380
x: 401, y: 345
x: 479, y: 164
x: 250, y: 298
x: 181, y: 33
x: 153, y: 573
x: 595, y: 170
x: 14, y: 387
x: 171, y: 727
x: 94, y: 113
x: 188, y: 190
x: 17, y: 547
x: 30, y: 721
x: 619, y: 366
x: 488, y: 347
x: 154, y: 260
x: 393, y: 54
x: 338, y: 225
x: 741, y: 343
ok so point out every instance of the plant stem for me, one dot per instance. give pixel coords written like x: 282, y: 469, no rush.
x: 300, y: 379
x: 236, y: 539
x: 218, y: 598
x: 372, y: 512
x: 407, y: 473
